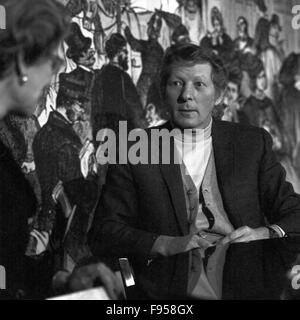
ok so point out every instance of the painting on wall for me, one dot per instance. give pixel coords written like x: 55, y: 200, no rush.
x: 112, y: 58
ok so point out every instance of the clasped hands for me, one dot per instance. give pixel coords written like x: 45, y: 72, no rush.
x: 169, y: 246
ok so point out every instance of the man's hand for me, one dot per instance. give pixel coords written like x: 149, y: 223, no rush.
x: 246, y: 234
x: 88, y: 277
x: 96, y: 275
x: 169, y: 246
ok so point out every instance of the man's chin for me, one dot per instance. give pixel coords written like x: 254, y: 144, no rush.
x: 186, y: 123
x: 182, y: 122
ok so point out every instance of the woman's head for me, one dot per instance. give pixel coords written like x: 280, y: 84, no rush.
x: 258, y: 79
x: 289, y: 75
x: 217, y: 20
x: 242, y: 27
x: 29, y: 49
x: 262, y: 32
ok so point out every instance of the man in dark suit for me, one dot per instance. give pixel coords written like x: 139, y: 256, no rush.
x: 57, y: 150
x: 175, y: 220
x: 115, y: 95
x: 79, y: 83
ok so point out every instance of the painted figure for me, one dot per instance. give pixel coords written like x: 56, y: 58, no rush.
x: 79, y: 83
x: 116, y: 97
x: 218, y: 41
x: 152, y: 55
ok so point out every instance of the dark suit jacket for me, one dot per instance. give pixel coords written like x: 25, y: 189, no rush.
x: 141, y: 202
x: 56, y: 150
x: 17, y: 204
x: 115, y: 99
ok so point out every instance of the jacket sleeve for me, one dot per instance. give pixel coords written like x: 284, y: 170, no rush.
x: 115, y: 230
x: 281, y: 205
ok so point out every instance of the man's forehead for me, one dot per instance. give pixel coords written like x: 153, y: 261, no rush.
x: 192, y: 69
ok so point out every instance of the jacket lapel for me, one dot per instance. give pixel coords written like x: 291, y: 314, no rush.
x: 224, y: 152
x: 172, y: 176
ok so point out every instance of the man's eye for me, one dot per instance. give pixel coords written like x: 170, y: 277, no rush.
x: 199, y: 84
x: 177, y: 83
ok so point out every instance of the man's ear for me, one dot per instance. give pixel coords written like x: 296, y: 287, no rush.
x: 220, y: 98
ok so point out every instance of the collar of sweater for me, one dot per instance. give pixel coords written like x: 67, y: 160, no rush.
x: 189, y: 136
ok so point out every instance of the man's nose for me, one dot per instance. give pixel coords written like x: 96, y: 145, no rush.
x: 186, y: 94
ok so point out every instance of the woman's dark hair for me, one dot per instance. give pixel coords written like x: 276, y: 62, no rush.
x: 191, y: 54
x: 261, y: 38
x: 216, y: 15
x: 34, y: 28
x: 242, y: 19
x: 259, y: 67
x: 290, y: 68
x: 261, y: 5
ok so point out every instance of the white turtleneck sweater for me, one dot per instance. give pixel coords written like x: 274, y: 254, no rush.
x: 194, y: 148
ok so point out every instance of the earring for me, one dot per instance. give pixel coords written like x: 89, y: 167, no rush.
x: 23, y: 80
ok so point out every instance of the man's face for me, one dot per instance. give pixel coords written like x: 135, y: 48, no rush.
x: 232, y: 92
x: 191, y: 6
x: 76, y: 113
x: 123, y: 58
x: 191, y: 95
x: 87, y: 58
